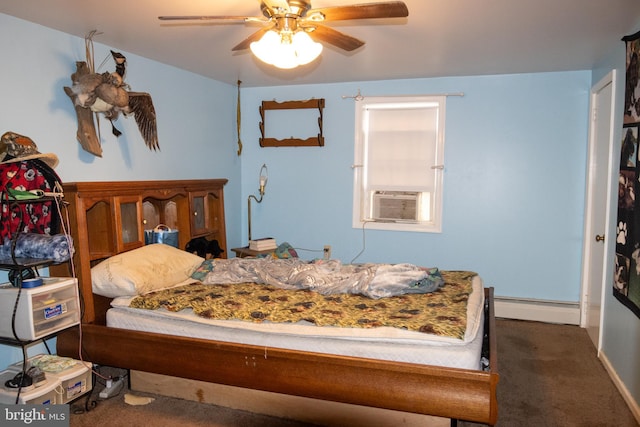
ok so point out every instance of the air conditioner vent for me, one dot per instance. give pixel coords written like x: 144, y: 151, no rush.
x: 400, y: 206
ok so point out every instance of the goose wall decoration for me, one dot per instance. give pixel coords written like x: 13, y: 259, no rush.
x: 106, y: 93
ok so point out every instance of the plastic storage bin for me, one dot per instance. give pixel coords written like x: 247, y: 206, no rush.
x: 41, y: 311
x: 45, y: 394
x: 75, y: 380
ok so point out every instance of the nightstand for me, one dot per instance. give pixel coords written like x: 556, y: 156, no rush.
x: 245, y: 252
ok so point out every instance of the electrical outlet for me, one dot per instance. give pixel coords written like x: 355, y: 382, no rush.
x: 327, y: 251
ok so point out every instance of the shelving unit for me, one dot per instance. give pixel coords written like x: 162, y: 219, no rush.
x: 13, y: 291
x: 33, y: 314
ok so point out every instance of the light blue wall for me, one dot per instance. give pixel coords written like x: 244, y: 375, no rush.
x: 621, y: 328
x: 196, y: 119
x: 515, y: 156
x: 514, y: 180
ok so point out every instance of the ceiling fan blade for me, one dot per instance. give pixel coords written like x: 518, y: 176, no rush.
x: 329, y: 35
x: 209, y: 18
x: 246, y: 43
x: 390, y: 9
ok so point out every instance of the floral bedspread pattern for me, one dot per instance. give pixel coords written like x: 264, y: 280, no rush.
x: 443, y: 312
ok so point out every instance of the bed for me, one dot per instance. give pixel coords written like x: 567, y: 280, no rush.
x: 245, y: 358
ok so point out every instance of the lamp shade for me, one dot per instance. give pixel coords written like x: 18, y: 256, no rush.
x: 285, y: 51
x: 306, y: 49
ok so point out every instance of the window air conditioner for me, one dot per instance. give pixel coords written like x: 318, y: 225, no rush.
x: 398, y: 206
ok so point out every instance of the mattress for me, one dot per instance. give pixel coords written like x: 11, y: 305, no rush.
x: 382, y: 343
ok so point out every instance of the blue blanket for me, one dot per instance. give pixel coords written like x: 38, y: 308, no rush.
x: 58, y: 248
x: 327, y: 277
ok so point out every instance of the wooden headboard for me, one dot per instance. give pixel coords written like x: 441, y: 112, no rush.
x: 110, y: 217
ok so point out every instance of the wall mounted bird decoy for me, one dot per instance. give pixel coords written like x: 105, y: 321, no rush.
x: 107, y: 94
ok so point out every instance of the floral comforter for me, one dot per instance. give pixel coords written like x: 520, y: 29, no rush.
x: 441, y: 312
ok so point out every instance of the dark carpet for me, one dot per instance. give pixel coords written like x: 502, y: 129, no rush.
x: 550, y: 376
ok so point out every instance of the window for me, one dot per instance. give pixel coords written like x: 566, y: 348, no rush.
x: 398, y: 168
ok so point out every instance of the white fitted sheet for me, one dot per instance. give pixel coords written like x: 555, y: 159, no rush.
x: 375, y: 343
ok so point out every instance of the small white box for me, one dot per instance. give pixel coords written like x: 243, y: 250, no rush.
x: 41, y: 311
x: 44, y: 394
x: 75, y: 380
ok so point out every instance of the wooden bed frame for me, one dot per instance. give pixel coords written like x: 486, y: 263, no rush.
x: 459, y: 394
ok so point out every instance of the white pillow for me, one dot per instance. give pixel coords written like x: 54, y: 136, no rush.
x: 142, y: 270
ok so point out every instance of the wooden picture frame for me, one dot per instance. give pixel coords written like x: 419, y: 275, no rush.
x: 317, y: 141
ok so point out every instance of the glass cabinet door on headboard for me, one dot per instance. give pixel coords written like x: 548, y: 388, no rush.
x: 129, y: 221
x: 199, y: 213
x: 207, y: 218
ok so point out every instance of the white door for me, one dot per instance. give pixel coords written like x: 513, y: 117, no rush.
x: 598, y: 197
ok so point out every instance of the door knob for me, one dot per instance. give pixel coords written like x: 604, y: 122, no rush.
x: 599, y: 238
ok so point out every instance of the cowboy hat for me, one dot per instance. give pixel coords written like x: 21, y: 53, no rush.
x: 19, y: 148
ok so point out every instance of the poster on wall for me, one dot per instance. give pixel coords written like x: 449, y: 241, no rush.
x: 626, y: 283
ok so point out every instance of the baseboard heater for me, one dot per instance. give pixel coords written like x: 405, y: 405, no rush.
x: 538, y: 310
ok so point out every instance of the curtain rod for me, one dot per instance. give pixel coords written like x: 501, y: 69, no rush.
x: 360, y: 97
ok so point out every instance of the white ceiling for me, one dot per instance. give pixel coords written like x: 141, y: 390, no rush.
x: 439, y: 38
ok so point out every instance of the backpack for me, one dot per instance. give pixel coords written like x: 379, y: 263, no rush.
x: 37, y: 216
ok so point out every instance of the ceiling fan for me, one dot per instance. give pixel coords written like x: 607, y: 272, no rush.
x: 292, y: 30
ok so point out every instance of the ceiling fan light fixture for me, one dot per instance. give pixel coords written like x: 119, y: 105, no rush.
x: 284, y: 40
x: 284, y: 50
x: 306, y: 49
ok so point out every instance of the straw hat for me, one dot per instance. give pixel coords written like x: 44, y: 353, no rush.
x: 18, y: 148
